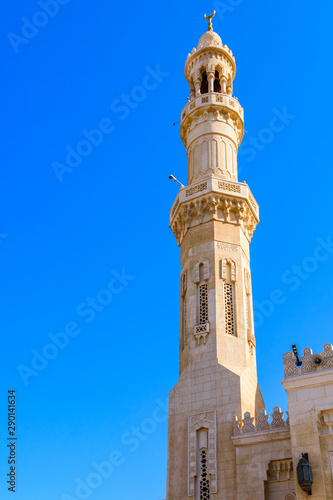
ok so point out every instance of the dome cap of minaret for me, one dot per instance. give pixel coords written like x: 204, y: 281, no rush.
x: 210, y: 38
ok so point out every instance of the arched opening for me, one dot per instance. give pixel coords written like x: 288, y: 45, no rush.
x: 217, y: 84
x: 204, y: 83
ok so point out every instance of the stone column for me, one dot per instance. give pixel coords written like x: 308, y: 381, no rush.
x: 223, y: 82
x: 211, y: 78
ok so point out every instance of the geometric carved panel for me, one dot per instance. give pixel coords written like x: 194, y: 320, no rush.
x: 206, y: 420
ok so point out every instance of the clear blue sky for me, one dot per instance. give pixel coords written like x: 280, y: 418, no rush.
x: 61, y: 243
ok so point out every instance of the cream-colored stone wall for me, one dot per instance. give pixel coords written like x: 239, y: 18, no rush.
x: 254, y: 453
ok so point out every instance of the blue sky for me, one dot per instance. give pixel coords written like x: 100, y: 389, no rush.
x: 103, y: 220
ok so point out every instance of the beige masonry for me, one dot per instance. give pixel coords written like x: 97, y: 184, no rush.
x: 221, y: 443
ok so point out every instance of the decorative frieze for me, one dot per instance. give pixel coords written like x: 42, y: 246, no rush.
x: 197, y: 422
x: 227, y: 186
x: 227, y: 246
x: 262, y: 424
x: 308, y: 363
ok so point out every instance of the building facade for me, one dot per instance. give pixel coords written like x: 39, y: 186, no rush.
x: 221, y: 443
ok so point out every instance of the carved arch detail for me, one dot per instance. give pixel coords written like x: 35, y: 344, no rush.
x: 224, y: 271
x: 205, y: 263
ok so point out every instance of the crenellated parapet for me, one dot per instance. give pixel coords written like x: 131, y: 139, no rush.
x: 263, y: 422
x: 309, y: 363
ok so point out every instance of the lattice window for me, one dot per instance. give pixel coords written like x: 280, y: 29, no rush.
x: 203, y: 304
x: 204, y: 481
x: 229, y: 308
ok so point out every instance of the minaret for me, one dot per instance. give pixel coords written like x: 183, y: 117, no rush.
x: 213, y: 219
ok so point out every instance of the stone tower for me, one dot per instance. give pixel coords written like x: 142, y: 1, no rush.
x: 213, y: 219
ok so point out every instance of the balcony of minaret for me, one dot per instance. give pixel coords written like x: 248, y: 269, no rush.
x: 214, y: 199
x: 214, y: 107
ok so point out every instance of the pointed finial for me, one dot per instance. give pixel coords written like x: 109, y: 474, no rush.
x: 209, y: 16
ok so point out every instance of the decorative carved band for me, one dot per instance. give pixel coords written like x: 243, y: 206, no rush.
x: 226, y: 186
x: 246, y: 426
x: 196, y: 189
x: 227, y: 246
